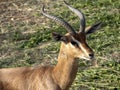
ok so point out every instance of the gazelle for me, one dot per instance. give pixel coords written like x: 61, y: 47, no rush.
x: 61, y: 76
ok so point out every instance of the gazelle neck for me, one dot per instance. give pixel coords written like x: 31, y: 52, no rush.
x: 66, y: 69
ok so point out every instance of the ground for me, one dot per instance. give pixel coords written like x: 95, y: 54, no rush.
x: 25, y: 38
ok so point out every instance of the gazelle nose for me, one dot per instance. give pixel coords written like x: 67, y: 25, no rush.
x: 91, y: 56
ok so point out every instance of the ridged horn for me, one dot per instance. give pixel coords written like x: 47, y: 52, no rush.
x: 62, y: 22
x: 80, y: 15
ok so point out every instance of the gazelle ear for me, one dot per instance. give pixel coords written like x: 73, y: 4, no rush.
x: 59, y: 37
x: 93, y: 28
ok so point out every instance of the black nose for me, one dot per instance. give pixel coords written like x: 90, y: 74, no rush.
x: 91, y: 56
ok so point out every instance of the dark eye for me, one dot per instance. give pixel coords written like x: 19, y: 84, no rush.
x: 74, y: 43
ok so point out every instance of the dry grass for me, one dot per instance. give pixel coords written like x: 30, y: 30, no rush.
x: 25, y: 38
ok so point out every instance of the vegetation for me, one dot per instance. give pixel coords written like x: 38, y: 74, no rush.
x: 25, y: 38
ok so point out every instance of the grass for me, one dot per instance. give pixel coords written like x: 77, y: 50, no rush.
x: 25, y: 38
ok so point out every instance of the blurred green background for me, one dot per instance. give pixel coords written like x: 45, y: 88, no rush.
x: 25, y: 38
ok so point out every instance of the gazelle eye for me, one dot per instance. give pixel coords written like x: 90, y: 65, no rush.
x: 74, y: 43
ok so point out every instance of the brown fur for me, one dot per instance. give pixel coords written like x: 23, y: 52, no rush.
x: 39, y: 78
x: 58, y: 77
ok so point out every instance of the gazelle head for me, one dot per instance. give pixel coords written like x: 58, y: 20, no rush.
x: 74, y: 43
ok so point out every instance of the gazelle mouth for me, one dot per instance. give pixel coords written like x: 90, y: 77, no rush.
x: 87, y: 58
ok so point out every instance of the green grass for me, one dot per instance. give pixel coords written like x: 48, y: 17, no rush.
x: 25, y: 38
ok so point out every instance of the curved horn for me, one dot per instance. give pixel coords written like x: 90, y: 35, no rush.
x: 80, y: 15
x: 65, y: 24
